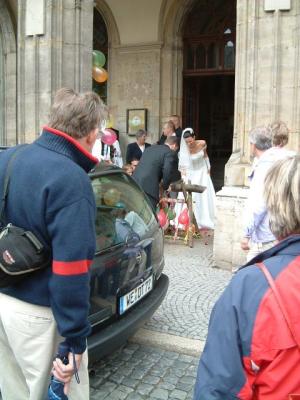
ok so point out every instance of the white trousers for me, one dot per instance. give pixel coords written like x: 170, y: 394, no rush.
x: 28, y: 343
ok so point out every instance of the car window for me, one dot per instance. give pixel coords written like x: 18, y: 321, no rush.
x: 123, y: 213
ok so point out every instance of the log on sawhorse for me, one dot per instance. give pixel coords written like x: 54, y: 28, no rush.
x: 187, y: 189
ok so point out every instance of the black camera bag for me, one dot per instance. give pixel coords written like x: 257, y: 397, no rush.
x: 21, y: 252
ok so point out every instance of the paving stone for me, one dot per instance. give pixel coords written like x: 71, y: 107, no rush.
x: 167, y: 385
x: 144, y: 388
x: 152, y: 380
x: 160, y: 394
x: 132, y: 383
x: 187, y: 379
x: 120, y: 393
x: 135, y: 396
x: 178, y: 395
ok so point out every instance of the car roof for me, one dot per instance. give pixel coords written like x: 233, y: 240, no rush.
x: 103, y: 168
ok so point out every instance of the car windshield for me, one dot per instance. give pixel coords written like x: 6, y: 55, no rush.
x: 123, y: 213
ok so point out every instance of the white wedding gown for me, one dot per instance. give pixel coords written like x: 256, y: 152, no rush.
x: 203, y: 203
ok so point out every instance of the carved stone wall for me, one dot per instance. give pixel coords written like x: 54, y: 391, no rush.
x: 59, y: 56
x: 135, y: 73
x: 8, y: 78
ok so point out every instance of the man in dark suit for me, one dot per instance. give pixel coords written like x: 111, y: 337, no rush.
x: 135, y: 150
x: 158, y: 163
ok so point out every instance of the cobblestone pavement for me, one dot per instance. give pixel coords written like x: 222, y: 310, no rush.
x: 194, y: 288
x: 138, y: 372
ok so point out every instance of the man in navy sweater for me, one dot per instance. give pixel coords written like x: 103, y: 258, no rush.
x: 51, y: 195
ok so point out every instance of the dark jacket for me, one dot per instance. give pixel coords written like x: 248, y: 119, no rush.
x: 250, y: 352
x: 178, y: 132
x: 50, y: 194
x: 158, y: 163
x: 133, y: 152
x: 162, y: 139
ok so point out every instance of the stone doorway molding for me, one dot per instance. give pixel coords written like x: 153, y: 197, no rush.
x: 8, y: 86
x: 172, y: 17
x: 113, y: 41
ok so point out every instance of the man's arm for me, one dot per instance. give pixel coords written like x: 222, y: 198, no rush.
x: 170, y: 171
x: 72, y: 233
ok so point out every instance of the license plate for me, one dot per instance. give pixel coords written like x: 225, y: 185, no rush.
x: 135, y: 295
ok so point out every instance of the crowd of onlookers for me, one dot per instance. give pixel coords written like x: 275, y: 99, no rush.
x: 111, y: 153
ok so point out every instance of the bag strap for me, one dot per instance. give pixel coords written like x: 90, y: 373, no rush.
x: 279, y: 300
x: 7, y: 179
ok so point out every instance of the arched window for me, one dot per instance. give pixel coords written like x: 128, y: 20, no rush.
x: 100, y: 42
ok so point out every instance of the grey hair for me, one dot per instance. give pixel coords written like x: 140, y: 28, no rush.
x: 282, y: 195
x: 76, y: 114
x: 261, y: 137
x: 140, y: 133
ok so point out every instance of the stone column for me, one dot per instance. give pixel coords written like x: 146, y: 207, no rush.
x: 54, y: 50
x: 267, y: 88
x: 8, y: 78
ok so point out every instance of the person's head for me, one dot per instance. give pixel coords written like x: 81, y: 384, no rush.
x: 172, y: 142
x: 134, y: 163
x: 141, y: 136
x: 282, y: 195
x: 280, y: 133
x: 168, y: 128
x: 176, y: 120
x: 78, y: 115
x: 260, y: 140
x: 189, y: 137
x: 128, y: 169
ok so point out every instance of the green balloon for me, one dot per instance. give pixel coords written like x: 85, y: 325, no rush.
x: 99, y: 59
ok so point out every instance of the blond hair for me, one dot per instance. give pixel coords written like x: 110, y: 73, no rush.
x: 282, y: 195
x: 76, y: 114
x: 280, y: 133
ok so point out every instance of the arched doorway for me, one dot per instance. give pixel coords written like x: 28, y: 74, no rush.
x: 100, y: 42
x: 208, y: 78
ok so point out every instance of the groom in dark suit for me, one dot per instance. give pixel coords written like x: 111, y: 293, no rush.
x: 158, y: 163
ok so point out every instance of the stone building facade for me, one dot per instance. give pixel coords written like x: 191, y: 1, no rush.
x: 47, y: 44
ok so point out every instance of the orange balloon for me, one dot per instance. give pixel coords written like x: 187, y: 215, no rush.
x: 100, y: 75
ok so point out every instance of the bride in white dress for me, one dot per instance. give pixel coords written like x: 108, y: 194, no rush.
x: 195, y: 167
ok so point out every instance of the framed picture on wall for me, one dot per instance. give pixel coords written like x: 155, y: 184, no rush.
x: 136, y: 119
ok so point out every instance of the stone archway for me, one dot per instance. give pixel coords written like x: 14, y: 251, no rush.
x: 8, y: 77
x: 173, y: 17
x: 113, y: 39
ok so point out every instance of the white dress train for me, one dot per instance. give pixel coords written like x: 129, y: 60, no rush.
x: 203, y: 203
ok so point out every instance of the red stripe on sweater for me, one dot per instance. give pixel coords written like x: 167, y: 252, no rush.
x: 71, y: 267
